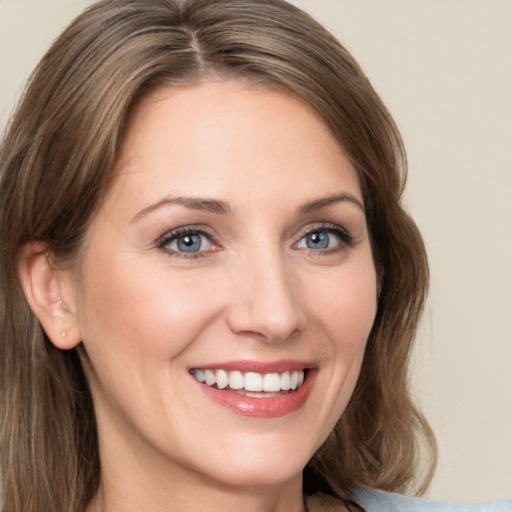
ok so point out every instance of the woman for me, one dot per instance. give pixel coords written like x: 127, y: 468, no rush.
x: 209, y: 287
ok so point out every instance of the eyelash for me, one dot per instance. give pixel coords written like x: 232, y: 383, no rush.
x: 346, y: 240
x: 181, y: 232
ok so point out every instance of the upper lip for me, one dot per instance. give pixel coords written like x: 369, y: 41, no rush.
x: 258, y: 366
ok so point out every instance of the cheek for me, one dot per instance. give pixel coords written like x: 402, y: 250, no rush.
x: 150, y: 315
x: 346, y: 305
x: 344, y: 310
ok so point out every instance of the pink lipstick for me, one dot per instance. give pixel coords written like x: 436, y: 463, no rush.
x: 257, y: 389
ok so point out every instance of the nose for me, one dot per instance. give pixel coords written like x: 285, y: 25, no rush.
x: 265, y: 301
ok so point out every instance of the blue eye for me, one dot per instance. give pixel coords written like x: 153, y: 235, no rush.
x: 324, y: 238
x: 186, y: 243
x: 318, y: 240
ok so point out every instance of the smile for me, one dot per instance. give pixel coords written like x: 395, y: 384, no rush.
x: 257, y: 390
x: 250, y: 381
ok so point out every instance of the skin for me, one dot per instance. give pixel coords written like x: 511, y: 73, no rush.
x: 144, y: 313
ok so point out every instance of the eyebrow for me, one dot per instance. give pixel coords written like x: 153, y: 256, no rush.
x: 194, y: 203
x: 223, y: 208
x: 324, y: 202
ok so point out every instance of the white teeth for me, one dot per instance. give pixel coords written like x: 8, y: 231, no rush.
x: 294, y: 380
x: 209, y: 378
x: 222, y: 379
x: 236, y: 380
x: 285, y: 381
x: 272, y: 382
x: 251, y: 381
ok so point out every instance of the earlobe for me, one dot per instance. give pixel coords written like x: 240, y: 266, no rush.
x: 50, y: 294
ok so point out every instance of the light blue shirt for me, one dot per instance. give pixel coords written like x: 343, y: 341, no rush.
x: 372, y: 500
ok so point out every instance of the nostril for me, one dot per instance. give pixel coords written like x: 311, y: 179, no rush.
x: 264, y: 303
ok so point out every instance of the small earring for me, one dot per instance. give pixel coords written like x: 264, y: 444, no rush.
x: 63, y: 334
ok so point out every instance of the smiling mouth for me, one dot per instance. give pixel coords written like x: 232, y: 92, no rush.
x: 251, y: 384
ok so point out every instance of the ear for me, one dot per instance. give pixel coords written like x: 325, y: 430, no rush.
x: 50, y: 292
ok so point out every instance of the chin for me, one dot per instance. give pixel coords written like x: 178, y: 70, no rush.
x: 248, y: 463
x: 264, y: 467
x: 253, y: 475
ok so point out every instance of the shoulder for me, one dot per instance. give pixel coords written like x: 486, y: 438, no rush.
x: 372, y: 500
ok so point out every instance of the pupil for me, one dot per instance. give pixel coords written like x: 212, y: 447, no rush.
x: 189, y: 243
x: 318, y: 240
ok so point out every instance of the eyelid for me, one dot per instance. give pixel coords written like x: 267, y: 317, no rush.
x: 162, y: 242
x: 173, y: 234
x: 346, y: 238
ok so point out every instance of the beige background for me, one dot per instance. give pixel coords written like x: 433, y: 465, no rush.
x: 444, y: 67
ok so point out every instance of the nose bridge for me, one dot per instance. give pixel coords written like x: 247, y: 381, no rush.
x: 266, y: 301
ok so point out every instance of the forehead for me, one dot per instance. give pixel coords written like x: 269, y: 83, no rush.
x: 229, y: 140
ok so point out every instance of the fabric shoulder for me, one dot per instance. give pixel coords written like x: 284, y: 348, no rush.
x: 372, y: 500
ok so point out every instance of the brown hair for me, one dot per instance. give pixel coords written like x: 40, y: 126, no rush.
x: 56, y: 164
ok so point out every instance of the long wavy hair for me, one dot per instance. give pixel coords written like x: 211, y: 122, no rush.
x: 56, y: 165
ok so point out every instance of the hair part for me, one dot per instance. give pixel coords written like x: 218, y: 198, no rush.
x: 56, y: 165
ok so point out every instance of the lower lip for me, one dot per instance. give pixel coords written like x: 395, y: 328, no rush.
x: 271, y: 407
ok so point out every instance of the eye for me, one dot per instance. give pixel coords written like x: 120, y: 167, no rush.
x: 324, y: 238
x: 318, y: 240
x: 186, y: 242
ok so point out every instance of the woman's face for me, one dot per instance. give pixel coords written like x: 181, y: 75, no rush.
x: 231, y: 255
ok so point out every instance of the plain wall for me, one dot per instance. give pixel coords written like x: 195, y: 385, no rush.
x: 444, y: 68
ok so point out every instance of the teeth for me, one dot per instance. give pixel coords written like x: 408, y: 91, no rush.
x: 222, y: 379
x: 236, y: 380
x: 285, y: 381
x: 251, y: 381
x: 209, y: 378
x: 272, y: 382
x: 294, y: 380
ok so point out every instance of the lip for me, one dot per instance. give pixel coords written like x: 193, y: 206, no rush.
x: 266, y: 407
x: 258, y: 366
